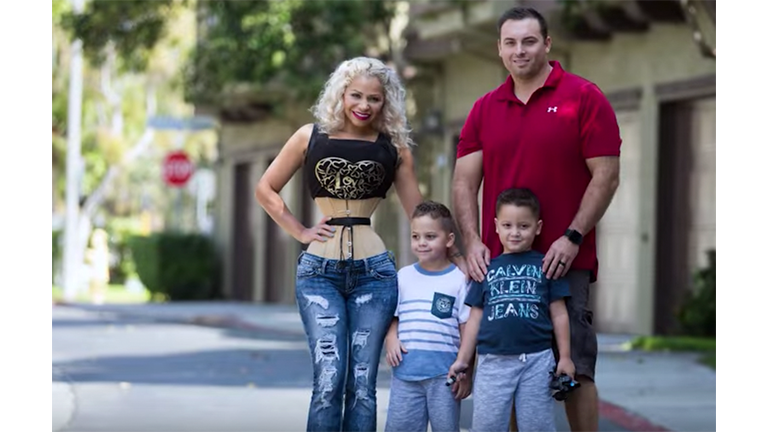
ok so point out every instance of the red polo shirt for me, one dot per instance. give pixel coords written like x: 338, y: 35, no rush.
x: 542, y: 145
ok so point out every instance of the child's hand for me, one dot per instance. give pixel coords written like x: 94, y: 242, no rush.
x: 462, y: 387
x: 457, y: 370
x: 394, y: 348
x: 565, y: 365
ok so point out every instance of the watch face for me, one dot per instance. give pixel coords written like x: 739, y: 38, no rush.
x: 574, y: 236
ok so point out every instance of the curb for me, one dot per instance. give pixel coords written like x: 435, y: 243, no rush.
x: 627, y: 419
x: 214, y: 321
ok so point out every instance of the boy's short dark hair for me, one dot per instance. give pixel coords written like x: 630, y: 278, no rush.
x: 519, y: 13
x: 520, y: 197
x: 436, y: 211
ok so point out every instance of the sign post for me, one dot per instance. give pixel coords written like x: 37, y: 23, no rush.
x: 177, y: 170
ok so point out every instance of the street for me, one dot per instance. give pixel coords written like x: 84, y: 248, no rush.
x: 112, y: 373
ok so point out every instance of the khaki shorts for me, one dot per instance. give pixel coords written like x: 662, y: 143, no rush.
x: 583, y: 336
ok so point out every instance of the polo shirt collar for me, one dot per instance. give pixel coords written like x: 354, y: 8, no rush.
x: 507, y: 90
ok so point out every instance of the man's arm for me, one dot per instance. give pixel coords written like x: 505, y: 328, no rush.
x: 600, y: 143
x: 599, y: 193
x: 467, y: 176
x: 597, y: 198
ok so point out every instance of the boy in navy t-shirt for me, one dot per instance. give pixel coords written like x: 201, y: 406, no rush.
x: 514, y: 312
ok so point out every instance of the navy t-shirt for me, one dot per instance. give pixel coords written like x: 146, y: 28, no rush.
x: 515, y: 298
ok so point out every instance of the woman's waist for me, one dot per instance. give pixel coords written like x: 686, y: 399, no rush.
x: 339, y: 208
x: 357, y: 242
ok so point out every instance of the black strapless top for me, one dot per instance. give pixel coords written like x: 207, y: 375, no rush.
x: 349, y: 168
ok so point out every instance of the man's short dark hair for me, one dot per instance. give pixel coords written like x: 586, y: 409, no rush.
x: 520, y: 197
x: 436, y: 211
x: 519, y: 13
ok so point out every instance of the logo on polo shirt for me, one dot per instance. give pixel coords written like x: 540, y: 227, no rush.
x: 442, y: 305
x: 552, y: 109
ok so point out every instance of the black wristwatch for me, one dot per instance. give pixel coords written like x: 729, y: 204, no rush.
x: 574, y: 236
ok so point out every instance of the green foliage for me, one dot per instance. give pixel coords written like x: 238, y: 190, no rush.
x: 704, y: 345
x: 57, y: 252
x: 292, y: 45
x: 697, y: 316
x: 104, y: 142
x: 179, y: 266
x: 134, y: 27
x: 120, y: 231
x: 59, y: 8
x: 673, y: 343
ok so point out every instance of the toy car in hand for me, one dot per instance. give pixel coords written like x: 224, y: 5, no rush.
x: 561, y: 385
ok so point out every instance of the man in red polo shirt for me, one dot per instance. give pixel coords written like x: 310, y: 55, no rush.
x: 555, y: 133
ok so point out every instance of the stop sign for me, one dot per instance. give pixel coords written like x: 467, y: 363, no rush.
x: 177, y: 168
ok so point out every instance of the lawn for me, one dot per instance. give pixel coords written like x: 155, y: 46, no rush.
x: 114, y: 294
x: 706, y: 346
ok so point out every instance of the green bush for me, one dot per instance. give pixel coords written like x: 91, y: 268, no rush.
x: 120, y: 230
x: 673, y: 343
x: 57, y: 253
x: 697, y: 316
x: 179, y: 266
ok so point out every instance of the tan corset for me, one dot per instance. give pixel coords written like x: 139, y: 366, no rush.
x: 349, y: 242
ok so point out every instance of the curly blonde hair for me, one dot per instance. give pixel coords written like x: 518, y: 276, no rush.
x: 329, y: 109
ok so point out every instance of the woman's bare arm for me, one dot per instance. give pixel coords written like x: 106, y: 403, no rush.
x: 277, y: 175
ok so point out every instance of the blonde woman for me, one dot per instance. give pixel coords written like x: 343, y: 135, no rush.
x: 346, y: 280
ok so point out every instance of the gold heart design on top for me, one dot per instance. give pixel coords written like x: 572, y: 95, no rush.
x: 347, y: 180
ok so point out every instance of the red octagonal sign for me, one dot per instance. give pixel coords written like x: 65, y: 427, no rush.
x: 177, y: 169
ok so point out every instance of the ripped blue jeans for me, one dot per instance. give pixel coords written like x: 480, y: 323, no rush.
x: 346, y: 308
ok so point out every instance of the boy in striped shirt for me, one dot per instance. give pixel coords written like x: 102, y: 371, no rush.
x: 425, y: 334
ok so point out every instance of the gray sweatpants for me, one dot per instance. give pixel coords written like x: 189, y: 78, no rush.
x: 500, y: 379
x: 413, y: 403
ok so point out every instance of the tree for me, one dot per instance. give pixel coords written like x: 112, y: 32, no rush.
x: 127, y: 45
x: 131, y: 28
x: 121, y: 41
x: 285, y: 47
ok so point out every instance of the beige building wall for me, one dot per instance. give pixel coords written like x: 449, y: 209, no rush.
x: 666, y: 53
x: 467, y: 78
x: 256, y: 144
x: 703, y: 183
x: 619, y: 240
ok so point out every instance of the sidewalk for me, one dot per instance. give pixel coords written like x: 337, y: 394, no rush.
x: 639, y: 391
